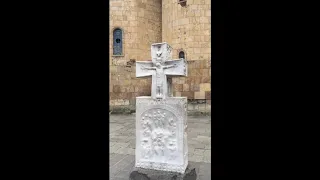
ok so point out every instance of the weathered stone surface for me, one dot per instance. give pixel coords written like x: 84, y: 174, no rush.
x: 161, y: 138
x: 161, y: 120
x: 160, y: 68
x: 148, y: 174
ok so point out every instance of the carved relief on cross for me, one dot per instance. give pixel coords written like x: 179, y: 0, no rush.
x: 162, y: 68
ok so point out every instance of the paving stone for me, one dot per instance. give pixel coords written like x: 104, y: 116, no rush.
x: 195, y: 165
x: 115, y: 160
x: 192, y: 134
x: 207, y: 156
x: 114, y: 149
x: 205, y: 134
x: 205, y: 169
x: 190, y: 154
x: 121, y: 144
x: 204, y: 177
x: 131, y: 151
x: 199, y: 152
x: 122, y: 150
x: 113, y: 171
x: 196, y: 158
x: 111, y: 144
x: 119, y: 178
x: 114, y: 156
x: 204, y: 139
x: 120, y: 165
x: 199, y: 146
x: 192, y: 142
x: 191, y: 149
x: 132, y: 145
x: 130, y: 165
x: 207, y: 153
x: 207, y: 147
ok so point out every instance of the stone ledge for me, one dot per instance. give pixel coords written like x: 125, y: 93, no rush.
x: 149, y: 174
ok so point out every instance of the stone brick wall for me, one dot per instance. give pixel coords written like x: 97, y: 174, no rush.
x: 140, y: 21
x: 149, y: 26
x: 124, y: 14
x: 188, y: 28
x: 125, y: 87
x: 145, y: 22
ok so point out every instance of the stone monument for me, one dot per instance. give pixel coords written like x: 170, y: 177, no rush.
x: 161, y: 120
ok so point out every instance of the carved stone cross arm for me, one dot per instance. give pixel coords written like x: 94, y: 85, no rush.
x: 144, y: 69
x: 169, y: 66
x: 180, y: 68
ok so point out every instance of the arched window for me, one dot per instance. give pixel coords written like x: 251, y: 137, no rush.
x: 181, y: 54
x: 117, y: 42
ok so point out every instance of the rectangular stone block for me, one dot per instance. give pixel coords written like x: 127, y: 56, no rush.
x: 113, y: 96
x: 113, y: 69
x: 196, y: 50
x: 129, y: 95
x: 199, y: 95
x: 110, y: 88
x: 194, y: 87
x: 205, y: 87
x: 205, y: 72
x: 186, y: 87
x: 205, y: 79
x: 122, y: 89
x: 113, y: 77
x: 116, y: 88
x: 123, y: 95
x: 161, y: 134
x: 189, y: 95
x: 197, y: 80
x: 178, y: 87
x: 208, y: 12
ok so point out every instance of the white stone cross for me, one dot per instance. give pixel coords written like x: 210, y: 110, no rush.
x: 161, y: 68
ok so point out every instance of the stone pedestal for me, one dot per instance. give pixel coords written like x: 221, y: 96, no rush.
x: 147, y: 174
x: 161, y: 134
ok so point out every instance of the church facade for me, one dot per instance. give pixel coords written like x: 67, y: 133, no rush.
x: 136, y: 24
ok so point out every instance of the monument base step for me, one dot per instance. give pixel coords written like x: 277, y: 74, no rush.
x: 149, y: 174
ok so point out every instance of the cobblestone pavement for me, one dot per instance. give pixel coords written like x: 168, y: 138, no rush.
x: 122, y: 145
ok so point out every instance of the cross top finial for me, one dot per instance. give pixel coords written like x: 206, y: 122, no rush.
x: 161, y: 52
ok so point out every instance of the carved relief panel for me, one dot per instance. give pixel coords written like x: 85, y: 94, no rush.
x: 161, y: 139
x: 158, y: 134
